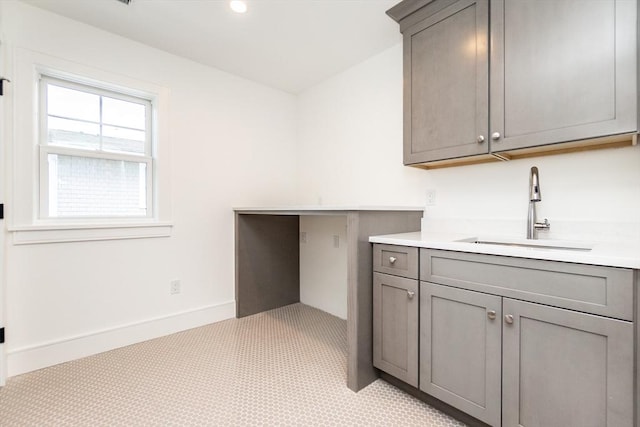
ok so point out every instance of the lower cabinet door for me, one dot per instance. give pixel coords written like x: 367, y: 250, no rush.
x: 564, y: 368
x: 395, y: 326
x: 460, y: 349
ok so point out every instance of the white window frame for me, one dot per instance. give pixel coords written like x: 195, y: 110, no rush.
x: 22, y: 132
x: 45, y: 148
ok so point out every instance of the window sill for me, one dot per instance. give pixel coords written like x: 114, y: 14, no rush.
x: 60, y: 233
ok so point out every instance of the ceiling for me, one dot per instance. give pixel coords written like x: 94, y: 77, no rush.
x: 286, y: 44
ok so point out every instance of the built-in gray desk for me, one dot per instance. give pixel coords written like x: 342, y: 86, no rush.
x: 268, y: 267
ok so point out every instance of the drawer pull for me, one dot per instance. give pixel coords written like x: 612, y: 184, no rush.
x: 392, y: 259
x: 411, y: 294
x: 508, y: 318
x: 491, y: 314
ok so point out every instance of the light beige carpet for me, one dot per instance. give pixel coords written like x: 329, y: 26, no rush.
x: 285, y: 367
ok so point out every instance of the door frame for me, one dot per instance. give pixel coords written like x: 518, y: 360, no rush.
x: 3, y: 231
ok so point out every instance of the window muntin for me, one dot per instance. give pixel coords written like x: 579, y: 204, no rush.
x: 95, y: 152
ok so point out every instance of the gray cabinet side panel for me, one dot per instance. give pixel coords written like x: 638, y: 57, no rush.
x: 636, y: 324
x: 361, y: 225
x: 267, y: 262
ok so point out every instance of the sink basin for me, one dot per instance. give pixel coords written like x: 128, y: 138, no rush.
x: 526, y: 243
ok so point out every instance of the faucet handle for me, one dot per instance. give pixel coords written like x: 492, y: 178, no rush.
x: 542, y: 225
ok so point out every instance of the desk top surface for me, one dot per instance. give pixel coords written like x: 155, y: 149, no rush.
x: 329, y: 209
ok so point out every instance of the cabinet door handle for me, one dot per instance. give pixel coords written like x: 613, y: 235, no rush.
x: 491, y: 314
x: 392, y: 259
x: 508, y: 318
x: 480, y: 139
x: 411, y: 294
x: 495, y: 136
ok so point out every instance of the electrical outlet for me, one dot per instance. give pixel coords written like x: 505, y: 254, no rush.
x: 431, y: 197
x: 175, y: 287
x: 303, y: 237
x: 336, y: 241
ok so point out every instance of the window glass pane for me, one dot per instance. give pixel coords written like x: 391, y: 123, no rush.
x: 123, y: 113
x: 122, y: 139
x: 72, y: 104
x: 90, y: 187
x: 72, y: 133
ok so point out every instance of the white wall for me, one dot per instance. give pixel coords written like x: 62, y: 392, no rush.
x: 350, y: 138
x: 350, y: 151
x: 237, y: 143
x: 591, y: 196
x: 323, y: 266
x: 232, y: 144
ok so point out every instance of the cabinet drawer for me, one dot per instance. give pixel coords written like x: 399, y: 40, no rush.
x: 396, y: 260
x: 607, y: 291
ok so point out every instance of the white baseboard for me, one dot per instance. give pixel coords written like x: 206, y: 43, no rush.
x: 31, y: 358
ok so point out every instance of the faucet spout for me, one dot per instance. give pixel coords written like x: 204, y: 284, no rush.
x: 531, y: 220
x: 534, y: 197
x: 534, y: 186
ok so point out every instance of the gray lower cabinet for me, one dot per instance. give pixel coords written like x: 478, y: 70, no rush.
x: 513, y: 342
x: 396, y: 260
x: 564, y: 368
x: 558, y: 367
x: 460, y: 349
x: 395, y: 326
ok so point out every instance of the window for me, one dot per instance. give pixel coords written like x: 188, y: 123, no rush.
x: 96, y: 155
x: 88, y: 152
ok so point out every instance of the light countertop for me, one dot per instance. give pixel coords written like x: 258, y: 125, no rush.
x: 323, y: 209
x: 606, y: 254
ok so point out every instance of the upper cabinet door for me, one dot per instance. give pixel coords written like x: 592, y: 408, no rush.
x: 562, y: 70
x: 446, y: 83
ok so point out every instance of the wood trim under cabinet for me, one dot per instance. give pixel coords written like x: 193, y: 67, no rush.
x: 612, y: 141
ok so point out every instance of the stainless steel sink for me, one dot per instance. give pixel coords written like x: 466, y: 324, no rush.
x: 526, y: 243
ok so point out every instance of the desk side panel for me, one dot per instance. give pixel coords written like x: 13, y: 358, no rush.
x: 361, y: 225
x: 267, y: 262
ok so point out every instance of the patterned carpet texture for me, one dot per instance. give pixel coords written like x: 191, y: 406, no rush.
x: 284, y: 367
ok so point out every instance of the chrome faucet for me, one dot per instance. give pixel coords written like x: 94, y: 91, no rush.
x: 535, y: 196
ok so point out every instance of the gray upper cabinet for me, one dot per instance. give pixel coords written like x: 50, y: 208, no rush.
x: 561, y: 71
x: 446, y: 83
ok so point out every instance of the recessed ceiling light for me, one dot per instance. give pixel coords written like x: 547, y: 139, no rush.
x: 238, y: 6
